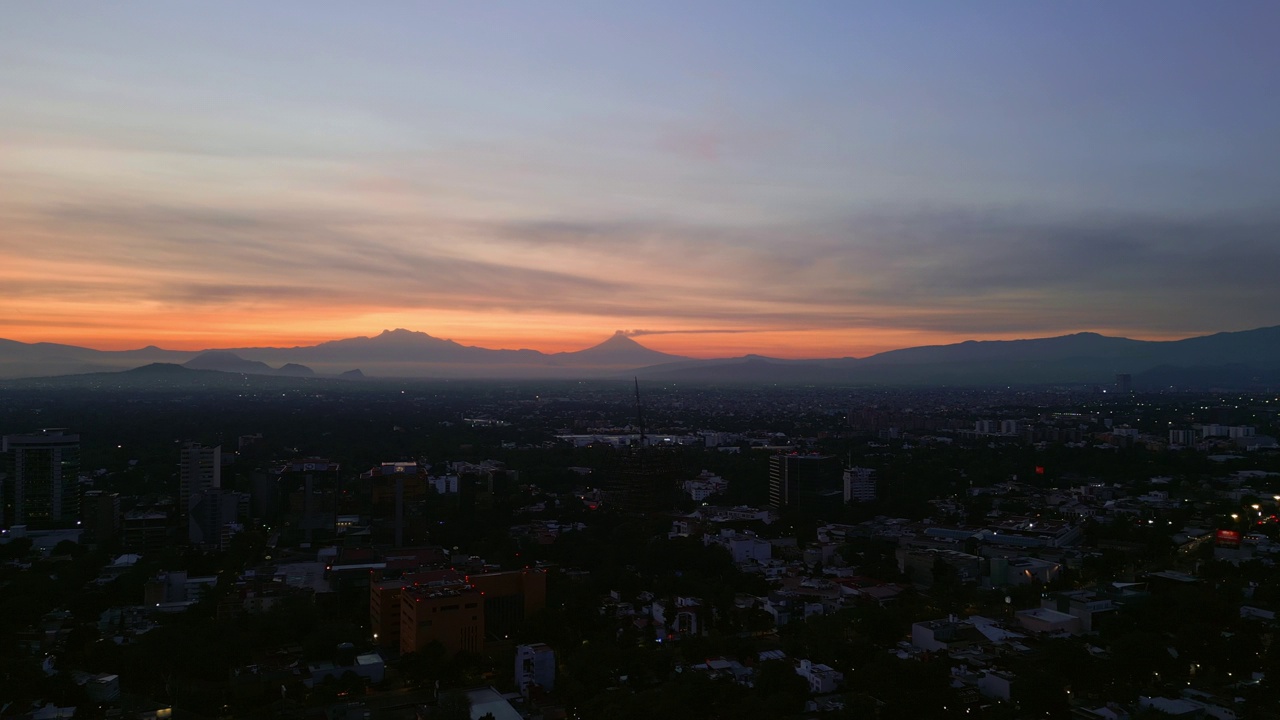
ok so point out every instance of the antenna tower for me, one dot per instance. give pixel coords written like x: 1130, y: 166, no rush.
x: 639, y: 413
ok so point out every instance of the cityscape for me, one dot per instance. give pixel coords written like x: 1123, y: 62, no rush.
x: 285, y: 547
x: 715, y: 359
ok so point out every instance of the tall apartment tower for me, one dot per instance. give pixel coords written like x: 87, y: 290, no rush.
x: 859, y: 484
x: 209, y: 514
x: 42, y: 473
x: 803, y: 480
x: 199, y: 469
x: 101, y: 512
x: 640, y: 480
x: 311, y: 487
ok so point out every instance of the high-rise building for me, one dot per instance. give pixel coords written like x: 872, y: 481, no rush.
x: 100, y: 511
x: 311, y: 487
x: 641, y: 480
x: 859, y: 484
x: 145, y: 531
x: 42, y: 474
x: 209, y: 514
x: 803, y: 480
x: 199, y: 469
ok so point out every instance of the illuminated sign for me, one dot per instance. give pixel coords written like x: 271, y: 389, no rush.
x: 1228, y: 538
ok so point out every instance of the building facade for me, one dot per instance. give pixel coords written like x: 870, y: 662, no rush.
x: 42, y: 478
x: 211, y: 512
x: 803, y: 480
x: 535, y: 667
x: 101, y: 515
x: 459, y: 611
x: 859, y: 484
x: 450, y: 614
x: 199, y: 469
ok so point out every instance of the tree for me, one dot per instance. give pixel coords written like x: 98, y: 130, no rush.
x: 777, y: 679
x: 453, y: 705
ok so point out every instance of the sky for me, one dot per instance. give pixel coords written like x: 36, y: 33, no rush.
x: 812, y: 179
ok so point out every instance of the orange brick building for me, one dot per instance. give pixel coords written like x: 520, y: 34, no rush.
x: 510, y: 597
x: 461, y: 612
x: 449, y: 614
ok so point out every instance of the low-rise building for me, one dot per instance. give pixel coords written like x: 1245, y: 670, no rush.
x: 945, y: 635
x: 822, y: 679
x: 1044, y: 620
x: 535, y: 667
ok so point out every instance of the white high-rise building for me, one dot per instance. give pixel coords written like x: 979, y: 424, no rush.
x: 859, y: 484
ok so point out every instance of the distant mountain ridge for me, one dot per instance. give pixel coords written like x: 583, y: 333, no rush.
x: 1249, y: 358
x: 392, y: 353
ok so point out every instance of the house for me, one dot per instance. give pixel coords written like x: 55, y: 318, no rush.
x: 996, y: 684
x: 945, y: 635
x: 1044, y: 620
x: 822, y: 679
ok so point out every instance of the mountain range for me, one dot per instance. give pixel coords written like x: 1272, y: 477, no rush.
x: 393, y: 353
x: 1243, y: 359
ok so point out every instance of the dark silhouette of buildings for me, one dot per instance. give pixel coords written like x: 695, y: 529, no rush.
x: 640, y: 480
x: 311, y: 487
x: 101, y: 512
x: 199, y: 469
x: 804, y: 481
x: 42, y: 475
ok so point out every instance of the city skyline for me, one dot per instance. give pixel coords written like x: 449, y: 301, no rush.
x: 822, y: 180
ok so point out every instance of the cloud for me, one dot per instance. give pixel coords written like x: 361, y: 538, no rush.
x: 995, y: 270
x: 202, y: 256
x: 938, y: 270
x: 717, y: 331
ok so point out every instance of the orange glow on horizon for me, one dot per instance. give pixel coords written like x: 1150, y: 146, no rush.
x: 185, y: 331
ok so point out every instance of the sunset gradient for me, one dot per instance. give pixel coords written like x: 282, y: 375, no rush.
x: 791, y: 179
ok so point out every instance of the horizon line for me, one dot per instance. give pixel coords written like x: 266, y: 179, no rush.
x: 629, y: 335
